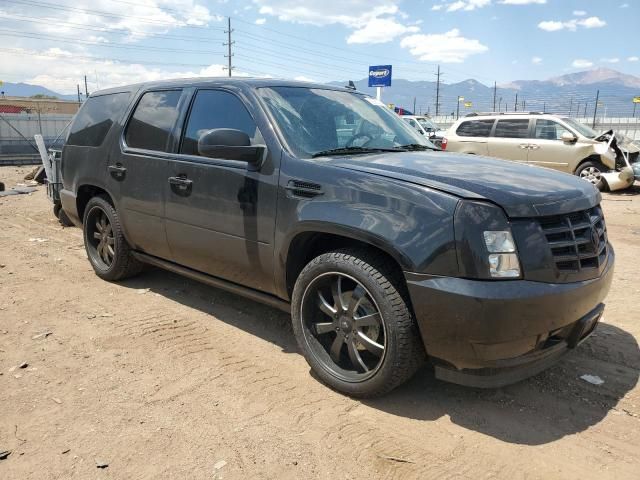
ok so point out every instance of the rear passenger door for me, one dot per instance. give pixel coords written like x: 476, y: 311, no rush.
x: 221, y: 220
x: 510, y: 139
x: 472, y: 136
x: 138, y: 170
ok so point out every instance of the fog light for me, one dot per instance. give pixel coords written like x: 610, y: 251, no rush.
x: 504, y: 265
x: 499, y: 242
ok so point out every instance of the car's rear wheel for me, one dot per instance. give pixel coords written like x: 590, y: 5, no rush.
x: 592, y: 171
x: 107, y: 249
x: 354, y: 325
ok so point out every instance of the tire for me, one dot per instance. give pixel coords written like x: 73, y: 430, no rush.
x: 343, y: 348
x: 591, y: 171
x: 109, y: 253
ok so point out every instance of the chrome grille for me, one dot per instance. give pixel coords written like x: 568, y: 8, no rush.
x: 577, y: 240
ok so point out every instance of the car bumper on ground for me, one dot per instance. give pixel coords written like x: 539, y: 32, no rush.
x: 492, y: 333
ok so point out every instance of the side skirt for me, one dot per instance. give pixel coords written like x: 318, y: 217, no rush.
x: 215, y: 282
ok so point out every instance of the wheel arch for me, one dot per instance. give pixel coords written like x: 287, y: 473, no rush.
x: 306, y: 244
x: 85, y: 193
x: 591, y: 158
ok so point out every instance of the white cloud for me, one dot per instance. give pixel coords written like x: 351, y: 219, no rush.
x: 60, y: 70
x: 137, y: 19
x: 580, y: 63
x: 610, y: 60
x: 372, y: 21
x: 579, y: 13
x: 380, y: 30
x: 536, y: 60
x: 523, y: 2
x: 260, y: 21
x: 448, y: 47
x: 437, y: 7
x: 633, y: 59
x: 571, y: 25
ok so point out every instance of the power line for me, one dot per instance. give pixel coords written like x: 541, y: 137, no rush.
x: 15, y: 33
x: 101, y: 13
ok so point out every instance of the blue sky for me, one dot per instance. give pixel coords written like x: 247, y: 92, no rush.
x: 56, y: 43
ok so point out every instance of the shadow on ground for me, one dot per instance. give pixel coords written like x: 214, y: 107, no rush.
x: 545, y: 408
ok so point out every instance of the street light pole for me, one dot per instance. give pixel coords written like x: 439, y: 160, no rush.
x: 458, y: 107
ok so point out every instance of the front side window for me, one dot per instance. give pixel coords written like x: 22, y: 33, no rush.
x: 475, y: 128
x: 217, y: 109
x: 427, y: 124
x: 95, y: 118
x: 549, y: 130
x: 581, y: 128
x: 152, y: 121
x: 512, y: 128
x: 314, y: 120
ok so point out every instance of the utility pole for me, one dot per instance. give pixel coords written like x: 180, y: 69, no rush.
x: 438, y: 92
x: 585, y: 109
x: 458, y: 107
x: 414, y: 105
x: 228, y: 45
x: 79, y: 100
x: 516, y: 103
x: 86, y: 88
x: 499, y: 104
x: 495, y: 92
x: 570, y: 105
x: 595, y: 110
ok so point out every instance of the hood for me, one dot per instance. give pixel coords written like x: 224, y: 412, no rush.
x: 521, y: 190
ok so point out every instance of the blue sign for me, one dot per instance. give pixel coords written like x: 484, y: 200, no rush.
x: 380, y: 76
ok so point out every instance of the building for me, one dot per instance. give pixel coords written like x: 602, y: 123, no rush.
x: 37, y: 105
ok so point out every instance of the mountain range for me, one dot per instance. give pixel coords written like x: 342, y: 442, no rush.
x: 574, y: 94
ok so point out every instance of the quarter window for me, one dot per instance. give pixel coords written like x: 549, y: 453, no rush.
x: 153, y: 120
x: 475, y: 128
x: 217, y: 109
x: 512, y: 128
x: 95, y: 118
x: 549, y: 130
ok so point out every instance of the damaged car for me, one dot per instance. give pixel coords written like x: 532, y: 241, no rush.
x: 606, y: 160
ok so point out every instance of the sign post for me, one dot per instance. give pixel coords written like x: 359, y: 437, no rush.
x: 379, y: 76
x: 636, y: 101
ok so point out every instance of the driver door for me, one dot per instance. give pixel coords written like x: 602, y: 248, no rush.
x: 547, y: 149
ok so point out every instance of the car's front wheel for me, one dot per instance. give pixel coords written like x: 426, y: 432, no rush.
x: 354, y: 325
x: 592, y: 171
x: 107, y: 249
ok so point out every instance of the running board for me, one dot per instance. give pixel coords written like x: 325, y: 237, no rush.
x: 215, y: 282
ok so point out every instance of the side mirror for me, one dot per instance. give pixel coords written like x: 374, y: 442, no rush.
x: 230, y: 144
x: 568, y: 137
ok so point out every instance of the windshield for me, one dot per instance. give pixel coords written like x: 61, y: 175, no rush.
x: 582, y: 129
x: 427, y: 124
x: 315, y: 120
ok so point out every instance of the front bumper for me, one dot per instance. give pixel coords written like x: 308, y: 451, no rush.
x: 491, y: 333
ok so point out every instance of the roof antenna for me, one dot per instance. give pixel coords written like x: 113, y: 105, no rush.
x: 351, y: 86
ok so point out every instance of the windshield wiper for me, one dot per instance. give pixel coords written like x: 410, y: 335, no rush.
x: 354, y: 150
x: 417, y: 146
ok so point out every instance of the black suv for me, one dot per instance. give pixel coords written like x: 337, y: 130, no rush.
x: 321, y: 201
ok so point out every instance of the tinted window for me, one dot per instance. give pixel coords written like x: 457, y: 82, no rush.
x: 475, y: 128
x: 549, y: 130
x: 93, y: 121
x: 512, y: 128
x: 217, y: 109
x: 153, y: 120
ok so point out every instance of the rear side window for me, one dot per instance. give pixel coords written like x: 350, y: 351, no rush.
x: 217, y: 109
x: 94, y: 120
x: 512, y: 128
x: 475, y: 128
x: 153, y: 120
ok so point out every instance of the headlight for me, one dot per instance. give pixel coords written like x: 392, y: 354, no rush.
x: 484, y: 244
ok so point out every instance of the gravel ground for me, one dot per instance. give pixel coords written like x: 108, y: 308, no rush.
x: 161, y: 377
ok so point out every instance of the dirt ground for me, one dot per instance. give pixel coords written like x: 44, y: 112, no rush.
x: 161, y: 377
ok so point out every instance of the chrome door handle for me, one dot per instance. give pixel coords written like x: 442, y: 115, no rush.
x: 117, y: 171
x: 533, y: 146
x: 524, y: 146
x: 182, y: 183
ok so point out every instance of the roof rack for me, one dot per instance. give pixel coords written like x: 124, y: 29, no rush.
x: 479, y: 114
